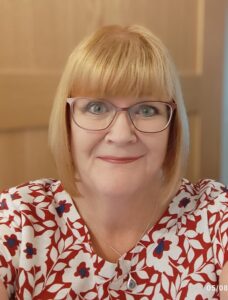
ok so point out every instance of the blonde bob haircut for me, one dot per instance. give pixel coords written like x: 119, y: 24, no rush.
x: 121, y: 61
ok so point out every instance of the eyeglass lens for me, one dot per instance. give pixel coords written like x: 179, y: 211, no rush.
x: 96, y: 114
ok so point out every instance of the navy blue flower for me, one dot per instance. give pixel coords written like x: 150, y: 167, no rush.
x: 162, y: 246
x: 63, y: 207
x: 82, y: 270
x: 30, y: 251
x: 11, y: 243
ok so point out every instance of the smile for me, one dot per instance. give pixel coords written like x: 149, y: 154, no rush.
x: 119, y: 160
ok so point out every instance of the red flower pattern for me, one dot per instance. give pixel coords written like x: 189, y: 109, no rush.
x: 46, y: 250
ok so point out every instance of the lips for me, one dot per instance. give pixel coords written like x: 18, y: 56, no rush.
x: 119, y: 160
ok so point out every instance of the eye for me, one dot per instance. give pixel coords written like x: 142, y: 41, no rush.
x: 96, y: 108
x: 146, y: 110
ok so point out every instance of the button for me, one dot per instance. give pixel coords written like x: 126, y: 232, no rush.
x: 131, y: 284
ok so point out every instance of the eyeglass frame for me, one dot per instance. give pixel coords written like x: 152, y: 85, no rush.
x: 172, y: 105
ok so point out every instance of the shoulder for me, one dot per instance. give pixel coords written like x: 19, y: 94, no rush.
x: 204, y: 193
x: 203, y: 208
x: 203, y: 185
x: 31, y: 224
x: 28, y: 195
x: 32, y: 189
x: 210, y: 187
x: 44, y: 184
x: 206, y: 197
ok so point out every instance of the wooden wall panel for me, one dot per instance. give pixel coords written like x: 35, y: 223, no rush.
x: 194, y: 161
x: 24, y: 155
x: 26, y: 99
x: 38, y: 36
x: 210, y: 105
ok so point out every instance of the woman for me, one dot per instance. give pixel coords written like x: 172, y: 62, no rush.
x: 122, y: 223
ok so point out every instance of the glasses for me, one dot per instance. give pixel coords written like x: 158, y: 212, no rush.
x: 99, y: 114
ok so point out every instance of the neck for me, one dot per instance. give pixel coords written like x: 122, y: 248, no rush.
x: 119, y: 221
x: 115, y: 213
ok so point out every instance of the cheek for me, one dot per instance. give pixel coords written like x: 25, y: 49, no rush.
x: 158, y: 140
x: 157, y: 146
x: 82, y: 144
x: 79, y: 146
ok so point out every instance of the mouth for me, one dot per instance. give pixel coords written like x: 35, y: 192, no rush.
x: 119, y: 160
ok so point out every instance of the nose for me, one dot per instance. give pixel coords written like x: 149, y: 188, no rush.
x: 121, y: 131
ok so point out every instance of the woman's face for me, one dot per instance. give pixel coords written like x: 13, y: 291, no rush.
x: 103, y: 158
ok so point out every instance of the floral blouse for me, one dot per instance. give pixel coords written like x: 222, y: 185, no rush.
x: 46, y: 252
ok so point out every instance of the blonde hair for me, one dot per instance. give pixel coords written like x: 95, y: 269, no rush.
x: 119, y: 61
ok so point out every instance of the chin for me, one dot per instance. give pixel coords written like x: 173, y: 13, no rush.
x: 118, y: 187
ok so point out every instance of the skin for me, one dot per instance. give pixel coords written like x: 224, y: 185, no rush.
x: 3, y: 292
x: 119, y: 199
x: 223, y: 282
